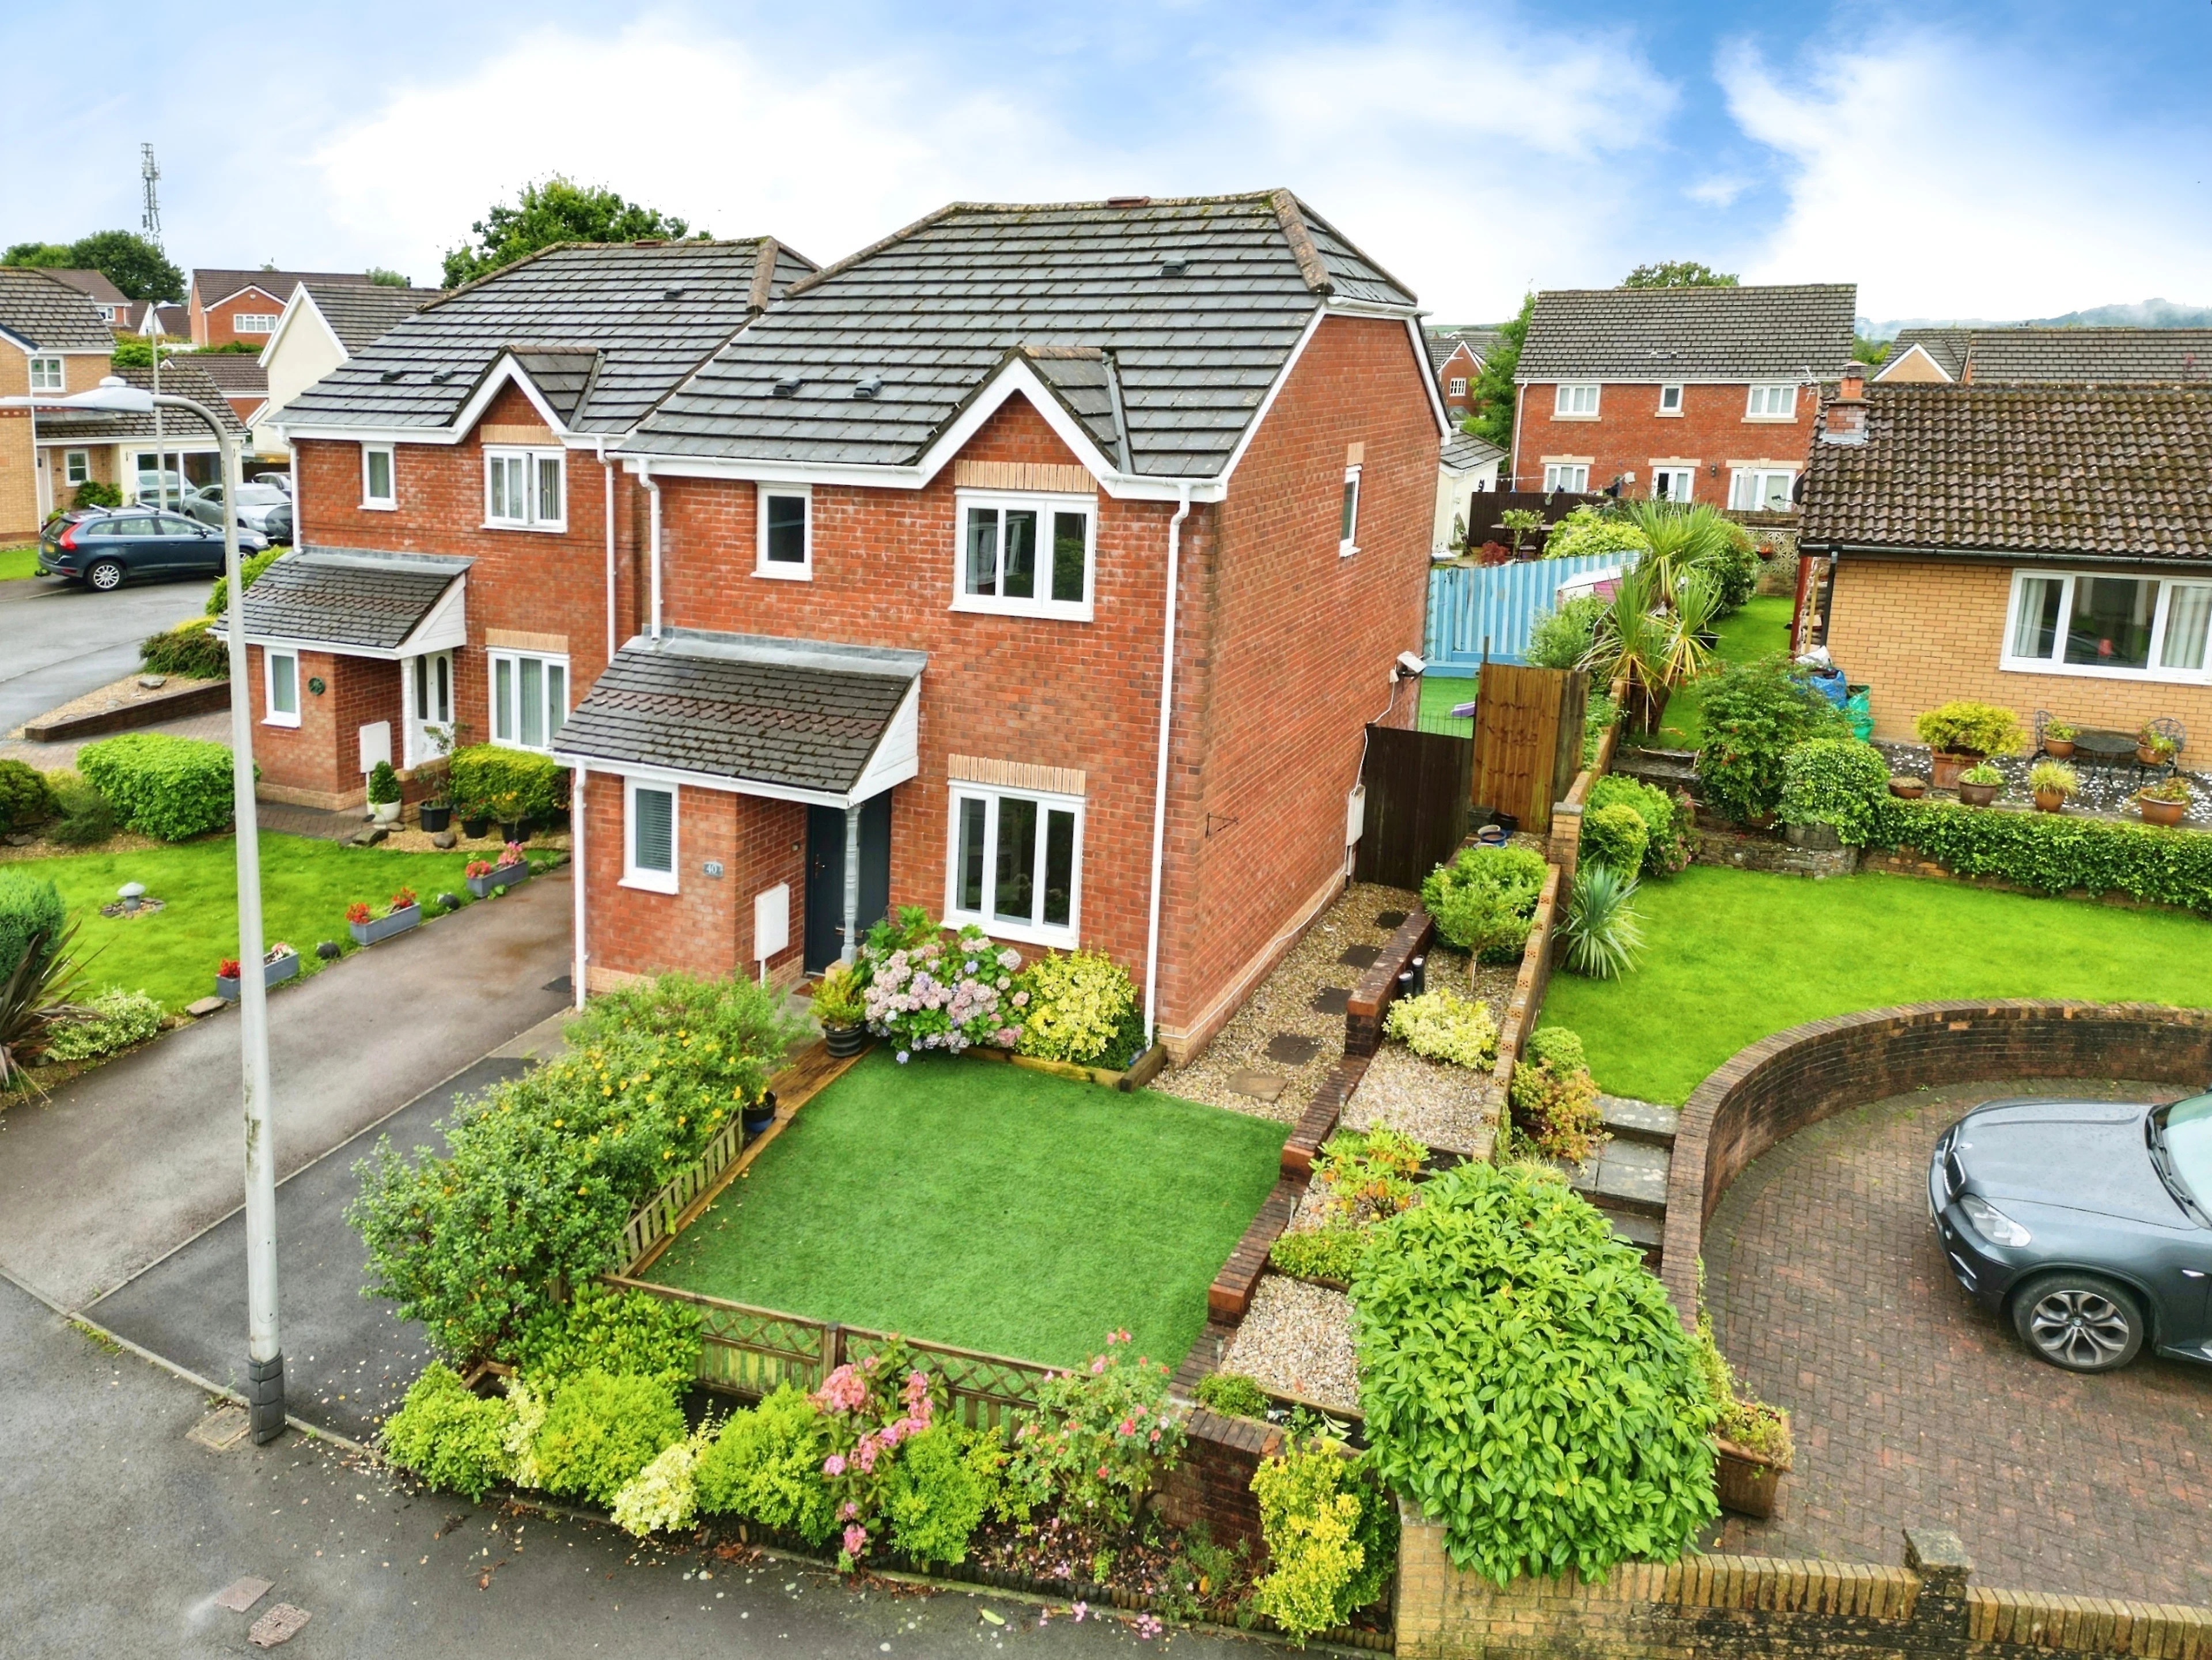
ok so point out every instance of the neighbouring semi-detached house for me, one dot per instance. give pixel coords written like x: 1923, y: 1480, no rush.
x: 2023, y: 355
x: 1696, y: 394
x: 226, y: 307
x: 53, y: 339
x: 2045, y: 548
x: 1455, y: 355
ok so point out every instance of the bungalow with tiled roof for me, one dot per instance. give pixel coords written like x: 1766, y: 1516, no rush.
x: 2024, y: 355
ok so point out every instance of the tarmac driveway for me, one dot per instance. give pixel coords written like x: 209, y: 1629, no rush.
x: 64, y: 640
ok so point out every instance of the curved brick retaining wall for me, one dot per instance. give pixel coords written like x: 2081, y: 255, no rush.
x: 1781, y: 1084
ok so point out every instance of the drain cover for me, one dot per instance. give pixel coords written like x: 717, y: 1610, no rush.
x: 1330, y: 999
x: 242, y: 1594
x: 1289, y: 1048
x: 222, y: 1429
x: 280, y: 1625
x: 1360, y: 956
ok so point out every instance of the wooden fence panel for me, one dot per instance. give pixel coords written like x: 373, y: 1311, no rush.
x: 1527, y: 739
x: 1419, y: 785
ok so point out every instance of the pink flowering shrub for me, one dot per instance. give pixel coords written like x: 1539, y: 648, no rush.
x: 928, y: 988
x: 870, y: 1408
x: 1100, y: 1437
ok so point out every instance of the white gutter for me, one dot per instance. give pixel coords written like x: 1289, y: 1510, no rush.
x: 653, y: 490
x: 1160, y: 773
x: 578, y: 787
x: 600, y: 446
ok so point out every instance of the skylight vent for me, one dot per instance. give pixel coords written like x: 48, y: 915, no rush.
x: 869, y: 387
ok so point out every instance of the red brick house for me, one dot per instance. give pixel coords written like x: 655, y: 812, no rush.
x: 225, y: 306
x: 1455, y: 355
x: 1704, y: 394
x: 114, y: 305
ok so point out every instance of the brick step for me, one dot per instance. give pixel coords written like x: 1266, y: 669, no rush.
x: 1640, y: 1121
x: 1647, y: 1233
x: 1625, y: 1175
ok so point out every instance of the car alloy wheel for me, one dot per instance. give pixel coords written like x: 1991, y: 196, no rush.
x: 104, y: 574
x: 2081, y: 1323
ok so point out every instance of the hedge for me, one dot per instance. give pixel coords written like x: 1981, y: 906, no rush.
x: 25, y: 797
x: 187, y: 649
x: 169, y: 788
x: 2052, y: 853
x: 29, y: 905
x: 483, y: 773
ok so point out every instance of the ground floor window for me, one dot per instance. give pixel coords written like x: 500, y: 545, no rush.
x: 282, y: 688
x: 76, y: 466
x: 649, y: 835
x: 1017, y: 863
x: 529, y: 699
x: 2071, y: 623
x: 1566, y: 475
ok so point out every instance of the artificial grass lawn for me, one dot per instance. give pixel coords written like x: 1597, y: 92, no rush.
x: 1735, y: 955
x: 1439, y: 695
x: 19, y: 562
x: 1760, y: 628
x: 305, y: 886
x: 966, y: 1202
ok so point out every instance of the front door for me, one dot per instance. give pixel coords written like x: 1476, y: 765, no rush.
x: 429, y: 682
x: 825, y: 876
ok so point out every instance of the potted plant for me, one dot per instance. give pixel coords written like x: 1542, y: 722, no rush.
x: 401, y: 914
x: 758, y: 1114
x: 384, y: 793
x: 435, y: 815
x: 1980, y: 784
x: 476, y: 819
x: 1905, y: 788
x: 514, y: 823
x: 2154, y: 749
x: 1962, y: 733
x: 838, y: 1006
x: 279, y: 963
x: 2164, y: 802
x: 2058, y: 740
x: 2052, y: 782
x: 1752, y: 1440
x: 482, y: 875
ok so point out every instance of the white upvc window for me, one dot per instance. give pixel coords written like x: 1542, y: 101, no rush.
x: 2108, y: 626
x: 1025, y: 556
x: 253, y: 322
x: 786, y: 534
x: 1456, y: 387
x: 1575, y: 401
x: 279, y: 688
x: 1573, y: 475
x: 76, y: 466
x: 1347, y: 529
x: 45, y: 375
x: 1015, y: 865
x: 1670, y: 400
x: 379, y: 483
x: 525, y: 489
x: 1673, y: 484
x: 529, y: 699
x: 649, y: 836
x: 1762, y: 490
x: 1777, y: 402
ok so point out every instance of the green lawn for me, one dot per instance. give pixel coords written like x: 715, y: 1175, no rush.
x: 19, y: 562
x: 1733, y: 956
x: 1759, y: 629
x: 305, y: 886
x: 966, y: 1202
x: 1439, y: 695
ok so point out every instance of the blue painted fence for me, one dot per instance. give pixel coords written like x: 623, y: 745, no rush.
x: 1498, y: 603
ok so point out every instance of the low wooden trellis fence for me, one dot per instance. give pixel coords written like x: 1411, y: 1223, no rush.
x: 654, y: 1222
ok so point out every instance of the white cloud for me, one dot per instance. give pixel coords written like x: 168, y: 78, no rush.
x: 1719, y: 192
x: 1955, y: 177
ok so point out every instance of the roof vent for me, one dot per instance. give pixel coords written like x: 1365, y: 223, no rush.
x: 671, y: 294
x: 440, y: 378
x: 1176, y: 267
x: 389, y: 375
x: 788, y: 386
x: 1126, y: 201
x: 869, y: 387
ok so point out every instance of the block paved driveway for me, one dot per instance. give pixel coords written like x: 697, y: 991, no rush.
x: 1912, y: 1406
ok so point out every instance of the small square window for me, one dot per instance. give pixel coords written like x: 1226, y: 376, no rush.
x: 76, y: 466
x: 649, y: 844
x: 376, y: 477
x: 45, y: 375
x: 785, y: 540
x: 1456, y: 387
x: 1670, y: 400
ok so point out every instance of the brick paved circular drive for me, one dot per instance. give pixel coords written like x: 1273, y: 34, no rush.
x: 1914, y: 1406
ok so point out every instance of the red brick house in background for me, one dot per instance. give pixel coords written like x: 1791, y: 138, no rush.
x: 225, y: 306
x: 115, y: 306
x: 1455, y: 356
x: 1704, y: 394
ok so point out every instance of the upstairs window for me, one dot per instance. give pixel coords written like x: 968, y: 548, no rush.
x: 1670, y: 400
x: 524, y: 490
x: 1017, y: 861
x: 1348, y: 532
x: 376, y: 485
x: 1456, y: 387
x: 1762, y: 490
x: 1575, y: 400
x: 787, y: 540
x: 1026, y: 555
x: 1774, y: 403
x: 45, y: 375
x: 253, y: 322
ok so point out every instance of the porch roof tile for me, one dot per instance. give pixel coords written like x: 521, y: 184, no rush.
x: 348, y: 596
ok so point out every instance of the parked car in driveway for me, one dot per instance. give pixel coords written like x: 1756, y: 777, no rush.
x: 2087, y: 1224
x: 277, y: 526
x: 109, y: 546
x: 255, y: 503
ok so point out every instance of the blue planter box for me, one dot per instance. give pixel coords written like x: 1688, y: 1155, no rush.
x: 383, y: 928
x: 272, y: 973
x: 504, y: 875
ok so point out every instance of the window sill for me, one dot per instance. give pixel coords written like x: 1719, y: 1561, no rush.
x: 1034, y: 613
x: 379, y: 506
x: 1769, y: 420
x: 289, y: 721
x: 560, y: 529
x: 1556, y: 415
x: 1345, y: 550
x: 1021, y: 932
x: 1668, y: 414
x: 785, y: 573
x: 2091, y: 671
x: 644, y: 885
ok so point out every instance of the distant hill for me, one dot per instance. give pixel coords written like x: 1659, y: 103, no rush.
x: 2141, y: 314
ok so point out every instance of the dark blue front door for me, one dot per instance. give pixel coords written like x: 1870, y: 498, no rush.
x: 825, y: 876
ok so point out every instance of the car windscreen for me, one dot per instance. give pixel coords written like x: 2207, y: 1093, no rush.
x: 2184, y: 1135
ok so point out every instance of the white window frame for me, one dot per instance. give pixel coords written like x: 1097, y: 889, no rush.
x: 1772, y: 400
x: 1347, y: 536
x: 1044, y: 504
x: 1569, y: 397
x: 511, y: 735
x: 1670, y: 400
x: 1030, y: 933
x: 1456, y: 387
x: 389, y: 502
x: 76, y: 466
x: 1753, y: 499
x: 1686, y: 471
x: 1572, y: 477
x: 48, y: 374
x: 634, y: 876
x: 783, y: 570
x: 2056, y: 663
x: 253, y: 322
x: 530, y: 518
x: 273, y: 716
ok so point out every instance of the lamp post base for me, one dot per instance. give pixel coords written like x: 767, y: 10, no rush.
x: 265, y: 1398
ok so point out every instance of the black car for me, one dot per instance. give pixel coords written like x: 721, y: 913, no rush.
x: 107, y: 547
x: 2085, y: 1223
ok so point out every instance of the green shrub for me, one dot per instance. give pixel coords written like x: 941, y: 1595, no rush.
x: 1964, y: 725
x: 1075, y: 1004
x: 169, y: 788
x: 1332, y: 1536
x: 1751, y: 1424
x: 766, y: 1467
x: 624, y: 1334
x: 189, y: 650
x: 1559, y: 639
x: 119, y: 1019
x: 1834, y: 780
x: 601, y: 1431
x: 935, y: 1498
x: 30, y: 905
x: 1483, y: 899
x: 450, y: 1438
x: 1526, y: 1381
x: 1445, y: 1026
x: 1602, y: 932
x: 1366, y: 1174
x: 1599, y: 713
x: 664, y: 1495
x: 1666, y: 819
x: 383, y: 783
x: 1074, y: 1453
x: 1588, y: 529
x: 25, y: 797
x: 1327, y: 1253
x: 83, y: 816
x: 93, y: 494
x: 1232, y: 1397
x: 1614, y: 837
x: 2054, y: 853
x: 1553, y: 1098
x: 1754, y: 713
x: 250, y: 567
x: 488, y: 778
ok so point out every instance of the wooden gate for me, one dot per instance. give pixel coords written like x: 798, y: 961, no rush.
x: 1527, y: 739
x: 1419, y: 785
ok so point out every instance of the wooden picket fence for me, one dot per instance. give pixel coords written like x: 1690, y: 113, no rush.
x: 656, y: 1219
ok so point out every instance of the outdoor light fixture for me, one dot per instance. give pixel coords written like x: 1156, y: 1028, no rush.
x: 130, y: 893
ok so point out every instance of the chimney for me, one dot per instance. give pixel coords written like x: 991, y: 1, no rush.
x: 1844, y: 419
x: 1852, y: 383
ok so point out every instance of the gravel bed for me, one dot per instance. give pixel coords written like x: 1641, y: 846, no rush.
x: 1298, y: 1339
x: 2106, y: 791
x: 1446, y: 1107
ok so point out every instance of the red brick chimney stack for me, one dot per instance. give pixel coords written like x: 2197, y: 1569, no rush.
x: 1844, y: 420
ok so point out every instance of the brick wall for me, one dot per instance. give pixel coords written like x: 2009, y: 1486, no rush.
x: 1923, y: 631
x: 317, y: 763
x: 214, y: 326
x: 1629, y: 433
x: 1213, y: 1482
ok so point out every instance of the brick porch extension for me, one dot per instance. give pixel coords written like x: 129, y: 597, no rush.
x: 1912, y: 1405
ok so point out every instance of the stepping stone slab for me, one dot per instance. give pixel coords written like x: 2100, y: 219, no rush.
x: 1392, y: 920
x: 1331, y: 999
x: 1260, y: 1086
x: 240, y: 1594
x: 1289, y: 1048
x: 1360, y: 956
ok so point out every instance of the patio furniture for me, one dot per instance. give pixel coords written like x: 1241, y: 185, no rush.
x: 2096, y: 747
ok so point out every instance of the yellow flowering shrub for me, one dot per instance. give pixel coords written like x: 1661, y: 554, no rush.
x: 1074, y: 1008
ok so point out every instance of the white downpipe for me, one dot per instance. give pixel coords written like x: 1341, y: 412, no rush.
x: 608, y: 478
x: 1160, y: 773
x: 652, y: 494
x: 578, y: 788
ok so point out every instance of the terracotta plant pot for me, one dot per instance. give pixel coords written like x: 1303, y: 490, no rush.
x: 1950, y: 764
x: 1749, y: 1483
x: 1907, y: 790
x: 1979, y: 795
x: 2059, y: 749
x: 2149, y: 756
x: 2161, y: 813
x: 2050, y: 800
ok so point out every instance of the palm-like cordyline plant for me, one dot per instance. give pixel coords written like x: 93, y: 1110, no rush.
x: 33, y: 1001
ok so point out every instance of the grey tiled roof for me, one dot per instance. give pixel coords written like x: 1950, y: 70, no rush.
x: 1971, y: 469
x: 233, y: 370
x: 39, y: 308
x: 94, y: 284
x: 1689, y: 334
x: 2114, y: 356
x: 358, y: 313
x: 794, y: 713
x: 1464, y: 450
x: 1443, y: 342
x: 348, y: 596
x: 176, y: 322
x: 214, y: 287
x: 1200, y: 299
x: 654, y: 310
x: 181, y: 377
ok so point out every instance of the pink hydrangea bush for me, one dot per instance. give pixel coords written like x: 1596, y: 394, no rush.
x: 1100, y: 1437
x: 925, y: 988
x: 870, y: 1407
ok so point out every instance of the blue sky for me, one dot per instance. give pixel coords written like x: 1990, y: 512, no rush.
x: 1993, y: 160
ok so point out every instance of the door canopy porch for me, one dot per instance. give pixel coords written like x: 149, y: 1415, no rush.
x: 358, y: 602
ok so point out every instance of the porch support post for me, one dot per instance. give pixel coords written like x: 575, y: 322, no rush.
x: 851, y: 947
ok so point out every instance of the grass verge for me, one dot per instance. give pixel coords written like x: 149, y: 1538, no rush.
x: 19, y: 562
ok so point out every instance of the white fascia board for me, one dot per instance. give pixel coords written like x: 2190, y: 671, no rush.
x: 1350, y: 307
x: 1444, y: 428
x: 898, y: 751
x: 18, y: 341
x: 293, y: 307
x: 1016, y: 375
x: 445, y: 627
x: 367, y: 435
x: 675, y: 779
x: 505, y: 371
x: 251, y: 288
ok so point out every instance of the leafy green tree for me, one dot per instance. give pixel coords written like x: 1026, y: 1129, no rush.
x: 1678, y: 274
x: 1864, y: 351
x: 558, y: 210
x: 37, y: 254
x: 134, y: 264
x: 387, y: 279
x: 1492, y: 420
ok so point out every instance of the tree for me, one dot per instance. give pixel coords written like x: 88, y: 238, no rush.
x: 387, y: 279
x: 1492, y: 420
x: 127, y: 259
x: 37, y: 254
x: 558, y: 210
x: 1864, y: 351
x: 1678, y: 274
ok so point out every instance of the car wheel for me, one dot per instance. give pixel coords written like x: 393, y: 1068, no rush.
x: 104, y: 574
x: 2081, y: 1321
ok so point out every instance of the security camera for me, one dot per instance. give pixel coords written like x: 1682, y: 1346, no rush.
x: 1409, y: 665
